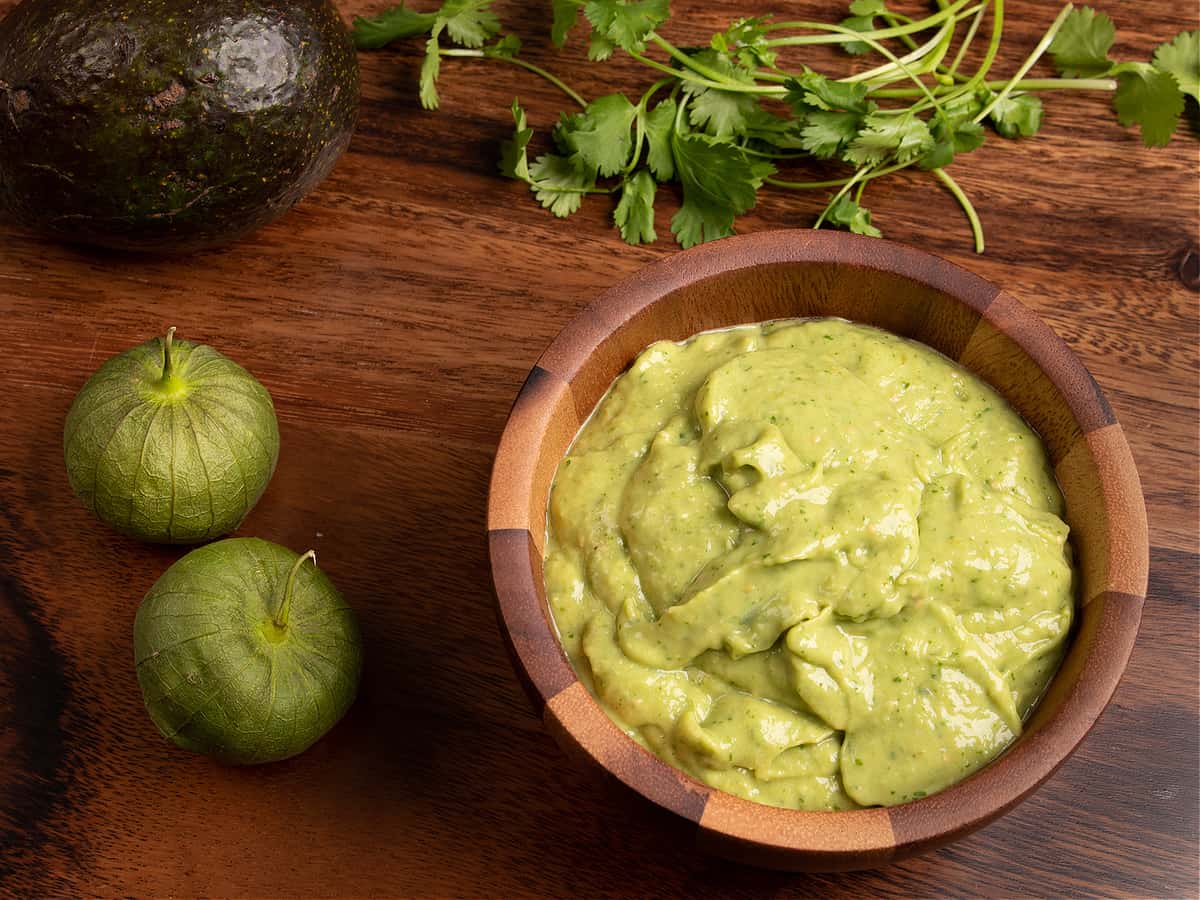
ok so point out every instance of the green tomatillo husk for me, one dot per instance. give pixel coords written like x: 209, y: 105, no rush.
x: 246, y: 652
x: 171, y: 442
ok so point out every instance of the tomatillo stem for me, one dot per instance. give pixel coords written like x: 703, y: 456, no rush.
x: 285, y: 607
x: 166, y: 345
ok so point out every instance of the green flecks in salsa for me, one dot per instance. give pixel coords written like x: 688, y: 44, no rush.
x: 810, y: 563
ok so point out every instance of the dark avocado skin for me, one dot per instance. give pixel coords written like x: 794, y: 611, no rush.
x: 169, y: 125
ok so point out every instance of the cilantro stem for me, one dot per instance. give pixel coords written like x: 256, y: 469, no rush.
x: 836, y: 182
x: 516, y: 61
x: 989, y: 56
x: 943, y: 36
x: 679, y: 55
x: 899, y: 64
x: 894, y: 19
x: 972, y: 30
x: 640, y: 124
x: 837, y: 31
x: 972, y: 216
x: 1027, y: 84
x: 1029, y: 63
x: 860, y: 175
x: 709, y: 77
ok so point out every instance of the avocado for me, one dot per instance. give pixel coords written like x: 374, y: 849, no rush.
x: 168, y: 125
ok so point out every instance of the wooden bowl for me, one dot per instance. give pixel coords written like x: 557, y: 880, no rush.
x: 795, y: 274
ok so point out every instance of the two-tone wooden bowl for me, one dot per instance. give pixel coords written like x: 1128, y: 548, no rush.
x: 908, y: 292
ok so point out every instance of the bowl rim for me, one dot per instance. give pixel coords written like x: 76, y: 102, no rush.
x: 868, y: 836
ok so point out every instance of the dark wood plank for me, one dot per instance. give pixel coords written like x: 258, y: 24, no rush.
x: 393, y: 316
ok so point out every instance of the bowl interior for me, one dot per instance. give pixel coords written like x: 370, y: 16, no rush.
x: 908, y: 293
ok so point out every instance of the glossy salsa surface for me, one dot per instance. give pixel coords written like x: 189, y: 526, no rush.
x: 810, y: 563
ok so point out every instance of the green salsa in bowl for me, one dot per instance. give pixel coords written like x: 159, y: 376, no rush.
x: 804, y: 582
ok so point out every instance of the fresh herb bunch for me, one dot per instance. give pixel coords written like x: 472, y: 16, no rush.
x: 704, y: 122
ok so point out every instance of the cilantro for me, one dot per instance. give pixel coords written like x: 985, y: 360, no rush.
x: 560, y: 183
x: 1080, y: 49
x: 601, y: 135
x: 506, y: 48
x: 721, y: 113
x: 469, y: 22
x: 566, y: 14
x: 600, y: 47
x: 1181, y: 58
x: 627, y: 22
x: 940, y: 155
x: 746, y: 41
x: 1017, y: 116
x: 719, y: 184
x: 963, y: 136
x: 868, y: 8
x: 714, y: 136
x: 827, y: 134
x: 659, y: 125
x: 848, y: 214
x: 1148, y: 97
x: 431, y: 67
x: 884, y: 137
x: 813, y: 91
x: 390, y: 25
x: 514, y: 162
x: 634, y: 214
x: 767, y: 129
x: 857, y: 23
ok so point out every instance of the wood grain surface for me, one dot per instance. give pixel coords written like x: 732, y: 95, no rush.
x: 393, y: 315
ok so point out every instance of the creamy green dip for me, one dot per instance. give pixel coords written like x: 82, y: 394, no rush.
x: 810, y: 563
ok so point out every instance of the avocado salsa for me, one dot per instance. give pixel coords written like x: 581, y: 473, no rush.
x: 810, y: 563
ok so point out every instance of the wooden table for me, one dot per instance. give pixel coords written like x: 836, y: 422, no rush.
x: 393, y: 316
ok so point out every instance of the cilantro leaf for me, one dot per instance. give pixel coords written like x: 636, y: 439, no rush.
x: 505, y: 48
x: 721, y: 113
x: 1150, y: 98
x: 600, y: 47
x: 600, y: 135
x: 719, y: 184
x: 1181, y: 58
x: 627, y: 22
x: 566, y: 14
x: 746, y: 41
x: 514, y: 162
x: 903, y: 138
x: 660, y: 125
x: 868, y: 8
x: 431, y: 66
x: 938, y: 157
x: 394, y: 23
x: 848, y: 214
x: 1017, y: 115
x: 1080, y: 49
x: 470, y: 23
x: 827, y: 133
x: 777, y: 131
x: 559, y: 183
x: 634, y: 214
x: 953, y: 133
x: 857, y: 23
x: 813, y: 91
